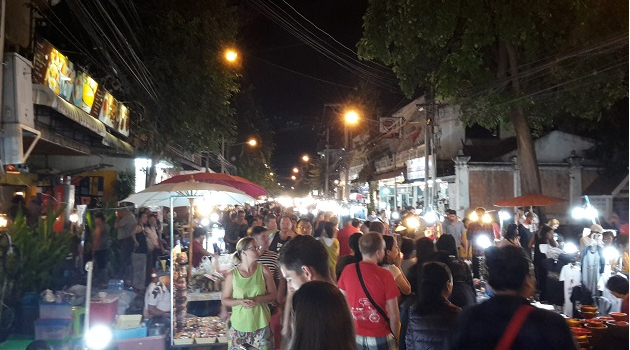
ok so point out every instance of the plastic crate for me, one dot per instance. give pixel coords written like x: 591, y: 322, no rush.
x: 103, y: 311
x: 51, y: 328
x: 146, y: 343
x: 139, y: 332
x: 54, y: 310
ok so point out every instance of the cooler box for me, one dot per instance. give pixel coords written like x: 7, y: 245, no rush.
x: 103, y: 311
x: 51, y: 328
x: 146, y: 343
x: 54, y: 310
x: 120, y: 334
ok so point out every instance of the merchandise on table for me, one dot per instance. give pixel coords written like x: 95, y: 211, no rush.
x: 203, y: 330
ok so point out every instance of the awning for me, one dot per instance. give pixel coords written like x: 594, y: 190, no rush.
x: 42, y: 95
x: 118, y: 144
x: 389, y: 174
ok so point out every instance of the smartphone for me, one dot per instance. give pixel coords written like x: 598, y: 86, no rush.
x: 246, y: 346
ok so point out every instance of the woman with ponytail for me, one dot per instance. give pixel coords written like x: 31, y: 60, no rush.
x: 431, y: 318
x: 248, y: 288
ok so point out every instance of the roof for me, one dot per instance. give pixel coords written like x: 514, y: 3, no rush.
x: 607, y: 184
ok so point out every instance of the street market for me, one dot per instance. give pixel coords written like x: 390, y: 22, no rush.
x: 287, y: 175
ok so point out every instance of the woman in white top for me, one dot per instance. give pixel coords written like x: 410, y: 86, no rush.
x: 392, y: 263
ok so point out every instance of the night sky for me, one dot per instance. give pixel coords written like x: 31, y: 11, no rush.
x: 293, y: 102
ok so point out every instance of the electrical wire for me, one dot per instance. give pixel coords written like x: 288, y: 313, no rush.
x: 322, y: 46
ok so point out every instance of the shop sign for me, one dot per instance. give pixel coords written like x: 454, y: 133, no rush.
x: 390, y: 127
x: 52, y: 69
x: 415, y: 169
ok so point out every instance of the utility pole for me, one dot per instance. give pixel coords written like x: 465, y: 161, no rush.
x: 327, y: 156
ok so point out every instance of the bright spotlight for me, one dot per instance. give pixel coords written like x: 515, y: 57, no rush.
x: 578, y: 213
x: 473, y: 216
x: 74, y: 217
x: 430, y: 217
x: 205, y: 222
x: 483, y: 241
x: 590, y: 212
x: 98, y: 337
x: 486, y: 218
x: 611, y: 253
x: 504, y: 215
x: 203, y: 208
x: 412, y: 222
x: 395, y: 215
x: 214, y: 217
x: 570, y: 248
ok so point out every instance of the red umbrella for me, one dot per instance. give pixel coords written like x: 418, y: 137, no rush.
x: 237, y: 182
x: 529, y: 200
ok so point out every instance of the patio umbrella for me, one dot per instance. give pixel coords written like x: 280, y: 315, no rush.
x: 237, y: 182
x: 183, y: 192
x: 529, y: 200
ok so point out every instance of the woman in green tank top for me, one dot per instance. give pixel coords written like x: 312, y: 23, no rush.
x: 247, y: 289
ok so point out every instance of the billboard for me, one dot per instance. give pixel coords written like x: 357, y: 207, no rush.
x: 52, y: 69
x: 416, y: 168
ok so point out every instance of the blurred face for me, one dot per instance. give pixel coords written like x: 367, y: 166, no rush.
x: 294, y: 281
x: 241, y: 217
x: 152, y: 220
x: 256, y: 222
x: 285, y: 224
x: 272, y: 225
x: 391, y: 254
x: 143, y: 218
x: 305, y: 228
x: 262, y: 240
x: 452, y: 217
x: 252, y: 251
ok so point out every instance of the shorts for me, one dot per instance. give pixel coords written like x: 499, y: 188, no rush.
x: 372, y: 343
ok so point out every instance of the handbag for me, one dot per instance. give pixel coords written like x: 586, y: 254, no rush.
x: 367, y: 294
x: 512, y: 329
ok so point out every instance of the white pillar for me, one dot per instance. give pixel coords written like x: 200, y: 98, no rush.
x: 575, y: 179
x: 462, y: 199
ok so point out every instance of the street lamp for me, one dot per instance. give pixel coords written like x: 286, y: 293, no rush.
x: 293, y: 177
x: 305, y: 158
x: 252, y: 142
x: 296, y: 170
x: 351, y: 117
x: 231, y: 55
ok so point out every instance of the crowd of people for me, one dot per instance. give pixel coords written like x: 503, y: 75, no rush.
x: 310, y: 283
x: 361, y: 287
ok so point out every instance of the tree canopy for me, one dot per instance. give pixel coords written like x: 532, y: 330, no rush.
x: 183, y: 47
x: 526, y: 62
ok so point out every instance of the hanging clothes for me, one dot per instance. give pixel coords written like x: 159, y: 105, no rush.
x: 593, y: 264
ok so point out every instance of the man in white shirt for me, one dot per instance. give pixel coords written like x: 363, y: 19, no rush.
x: 157, y: 299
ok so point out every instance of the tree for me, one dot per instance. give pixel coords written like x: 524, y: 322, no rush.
x: 183, y: 48
x: 523, y: 62
x: 254, y: 163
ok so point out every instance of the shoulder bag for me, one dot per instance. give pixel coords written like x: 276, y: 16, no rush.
x: 367, y: 294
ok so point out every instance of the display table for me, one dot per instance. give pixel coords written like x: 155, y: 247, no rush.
x: 202, y: 331
x: 204, y: 296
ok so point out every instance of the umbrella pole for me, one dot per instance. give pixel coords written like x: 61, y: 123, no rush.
x: 190, y: 238
x: 173, y: 259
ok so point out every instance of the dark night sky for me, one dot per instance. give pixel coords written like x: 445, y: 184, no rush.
x: 295, y: 103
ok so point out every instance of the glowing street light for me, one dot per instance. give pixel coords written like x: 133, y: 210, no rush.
x: 352, y: 117
x: 231, y: 55
x: 296, y: 170
x: 293, y: 177
x: 305, y: 158
x: 252, y: 142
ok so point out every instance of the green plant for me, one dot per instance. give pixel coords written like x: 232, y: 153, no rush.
x: 39, y: 250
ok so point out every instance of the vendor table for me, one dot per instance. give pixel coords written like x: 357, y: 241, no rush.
x: 204, y: 296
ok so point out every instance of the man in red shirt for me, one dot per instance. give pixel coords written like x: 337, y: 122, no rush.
x: 198, y: 251
x: 344, y: 234
x: 373, y: 331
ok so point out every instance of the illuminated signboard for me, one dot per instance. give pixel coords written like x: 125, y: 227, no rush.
x: 416, y: 168
x: 53, y: 69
